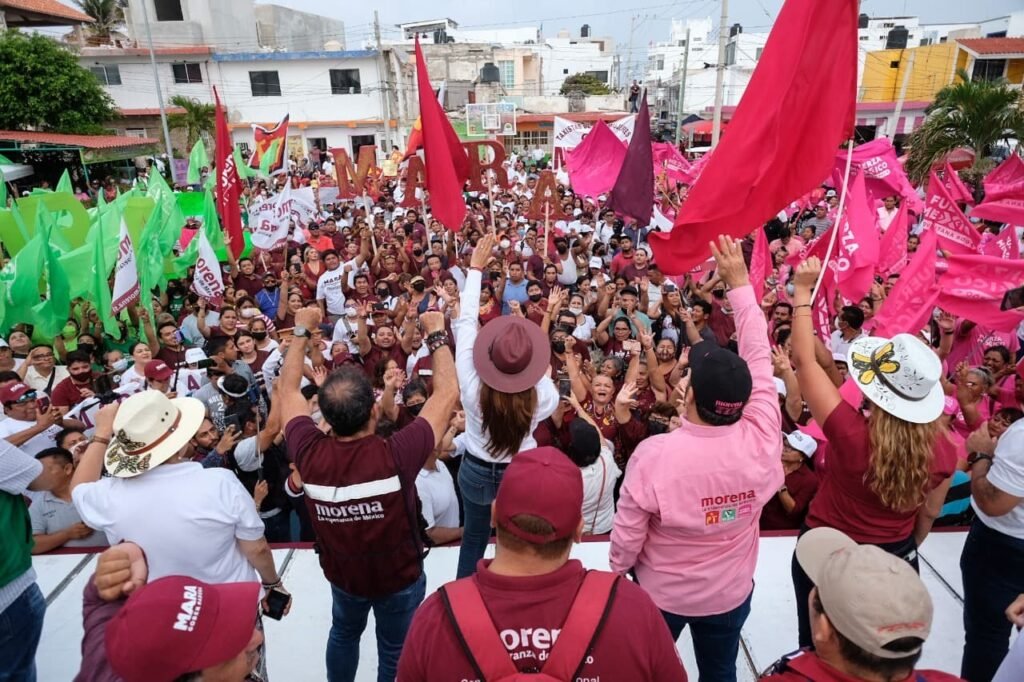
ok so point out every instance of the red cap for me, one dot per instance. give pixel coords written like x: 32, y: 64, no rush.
x: 545, y: 483
x: 11, y: 392
x: 157, y: 370
x: 177, y: 625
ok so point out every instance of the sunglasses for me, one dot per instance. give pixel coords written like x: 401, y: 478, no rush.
x: 26, y: 398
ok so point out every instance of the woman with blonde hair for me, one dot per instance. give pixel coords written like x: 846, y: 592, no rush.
x: 506, y: 392
x: 889, y: 471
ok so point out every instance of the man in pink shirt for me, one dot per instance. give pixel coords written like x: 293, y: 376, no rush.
x: 687, y: 521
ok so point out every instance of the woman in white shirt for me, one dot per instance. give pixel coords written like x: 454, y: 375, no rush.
x: 506, y: 392
x: 136, y: 374
x: 593, y: 455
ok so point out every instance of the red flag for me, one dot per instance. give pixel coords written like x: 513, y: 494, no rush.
x: 633, y: 193
x: 856, y: 253
x: 892, y: 249
x: 760, y: 264
x: 956, y: 187
x: 911, y: 301
x: 955, y: 232
x: 229, y: 187
x: 805, y: 81
x: 446, y: 163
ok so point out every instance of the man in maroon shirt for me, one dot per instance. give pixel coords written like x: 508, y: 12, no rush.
x: 529, y: 588
x: 77, y: 387
x: 625, y: 255
x: 361, y: 494
x: 247, y: 278
x: 786, y: 511
x: 637, y: 270
x: 870, y: 615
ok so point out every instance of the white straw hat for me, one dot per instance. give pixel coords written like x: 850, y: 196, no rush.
x: 149, y: 429
x: 901, y: 375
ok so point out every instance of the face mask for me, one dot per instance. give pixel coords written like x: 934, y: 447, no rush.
x: 86, y: 348
x: 417, y: 252
x: 414, y: 410
x: 718, y: 293
x: 561, y: 248
x: 316, y: 417
x: 655, y: 428
x: 504, y: 243
x: 259, y: 336
x: 791, y: 289
x: 68, y: 332
x: 82, y: 377
x: 575, y: 310
x: 271, y: 287
x: 383, y: 293
x: 558, y: 346
x: 536, y: 297
x: 420, y: 287
x: 119, y: 365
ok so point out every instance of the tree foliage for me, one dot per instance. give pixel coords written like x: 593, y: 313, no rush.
x: 585, y: 83
x: 42, y: 87
x: 975, y: 114
x: 107, y: 16
x: 198, y: 118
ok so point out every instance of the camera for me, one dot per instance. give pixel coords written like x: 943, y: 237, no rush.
x: 108, y: 397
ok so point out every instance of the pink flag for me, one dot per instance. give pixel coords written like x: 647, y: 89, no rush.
x: 911, y: 301
x: 696, y: 168
x: 973, y: 288
x: 955, y: 232
x: 883, y: 173
x: 892, y: 249
x: 956, y: 187
x: 669, y: 161
x: 760, y: 264
x: 856, y: 253
x: 1003, y: 245
x: 1004, y: 193
x: 821, y: 307
x: 594, y: 165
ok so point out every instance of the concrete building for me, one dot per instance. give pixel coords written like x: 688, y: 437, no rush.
x: 30, y: 14
x: 282, y: 28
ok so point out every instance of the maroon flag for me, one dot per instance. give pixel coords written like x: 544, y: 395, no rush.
x: 633, y: 193
x: 782, y: 140
x: 229, y: 187
x: 911, y: 301
x: 447, y: 165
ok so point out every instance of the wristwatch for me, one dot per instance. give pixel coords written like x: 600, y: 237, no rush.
x: 300, y: 332
x: 976, y: 457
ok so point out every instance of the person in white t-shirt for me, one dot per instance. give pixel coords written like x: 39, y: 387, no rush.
x: 329, y: 294
x: 39, y: 371
x: 887, y: 212
x: 26, y: 426
x: 593, y: 455
x: 438, y: 501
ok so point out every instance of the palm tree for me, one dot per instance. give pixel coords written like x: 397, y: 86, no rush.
x: 198, y: 118
x: 107, y: 16
x: 974, y: 114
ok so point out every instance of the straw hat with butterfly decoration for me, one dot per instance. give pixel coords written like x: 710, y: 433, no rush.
x: 149, y: 429
x: 900, y: 375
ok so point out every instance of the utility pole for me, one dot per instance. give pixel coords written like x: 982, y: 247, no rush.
x: 682, y: 87
x: 629, y: 63
x: 716, y: 130
x: 383, y: 84
x: 159, y: 94
x: 894, y: 124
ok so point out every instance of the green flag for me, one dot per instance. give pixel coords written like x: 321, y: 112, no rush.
x: 268, y: 158
x: 243, y: 168
x: 197, y: 160
x: 3, y: 190
x: 100, y: 289
x: 64, y: 184
x: 52, y: 314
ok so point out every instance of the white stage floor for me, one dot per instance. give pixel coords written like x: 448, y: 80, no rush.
x: 295, y: 646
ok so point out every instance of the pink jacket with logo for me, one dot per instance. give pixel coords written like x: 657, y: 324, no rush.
x: 687, y: 519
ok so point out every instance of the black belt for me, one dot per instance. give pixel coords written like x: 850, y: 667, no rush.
x: 485, y: 463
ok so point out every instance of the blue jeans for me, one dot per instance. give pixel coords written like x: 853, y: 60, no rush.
x: 479, y: 485
x: 392, y: 613
x: 993, y: 571
x: 21, y: 625
x: 716, y: 640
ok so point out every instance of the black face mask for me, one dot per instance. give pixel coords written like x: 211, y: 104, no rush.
x: 718, y: 293
x: 558, y: 346
x: 417, y: 252
x: 536, y: 297
x: 414, y: 410
x: 270, y: 287
x: 259, y: 336
x: 82, y: 377
x: 383, y: 293
x: 655, y: 428
x: 561, y: 248
x: 87, y: 348
x: 420, y: 287
x: 494, y: 274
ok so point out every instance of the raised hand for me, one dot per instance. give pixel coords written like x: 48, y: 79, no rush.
x: 731, y: 267
x: 807, y: 273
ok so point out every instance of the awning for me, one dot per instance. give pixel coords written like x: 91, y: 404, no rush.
x: 16, y: 171
x: 702, y: 128
x: 906, y: 125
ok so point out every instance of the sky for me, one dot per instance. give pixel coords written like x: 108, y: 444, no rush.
x: 649, y: 18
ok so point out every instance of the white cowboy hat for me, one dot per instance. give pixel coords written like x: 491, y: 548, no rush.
x: 901, y: 375
x: 149, y: 429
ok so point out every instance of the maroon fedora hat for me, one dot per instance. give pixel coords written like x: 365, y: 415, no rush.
x: 511, y: 354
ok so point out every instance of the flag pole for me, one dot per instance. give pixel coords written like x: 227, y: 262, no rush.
x: 547, y: 227
x: 839, y: 217
x: 490, y: 203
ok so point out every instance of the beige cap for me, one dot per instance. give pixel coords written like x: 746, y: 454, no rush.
x: 872, y: 597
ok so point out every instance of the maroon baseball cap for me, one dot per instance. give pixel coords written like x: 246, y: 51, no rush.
x: 177, y: 625
x: 157, y: 370
x: 11, y: 392
x: 545, y: 483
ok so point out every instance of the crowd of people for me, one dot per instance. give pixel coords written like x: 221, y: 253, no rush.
x: 381, y: 384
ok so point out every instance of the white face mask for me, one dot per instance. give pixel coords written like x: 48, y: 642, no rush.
x: 504, y: 243
x: 316, y: 417
x: 119, y: 365
x: 575, y: 310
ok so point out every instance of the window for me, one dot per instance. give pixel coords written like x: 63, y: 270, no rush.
x: 730, y: 54
x: 318, y: 142
x: 345, y: 82
x: 864, y: 38
x: 527, y: 139
x: 189, y: 72
x: 507, y: 69
x: 659, y: 64
x: 107, y: 74
x: 894, y: 64
x: 988, y: 69
x: 359, y: 141
x: 168, y: 10
x: 757, y: 54
x: 135, y: 132
x: 599, y: 75
x: 265, y: 83
x: 565, y: 72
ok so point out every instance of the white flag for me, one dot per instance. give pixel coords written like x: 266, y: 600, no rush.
x: 208, y: 282
x: 271, y: 218
x: 623, y: 128
x: 126, y: 277
x: 568, y: 134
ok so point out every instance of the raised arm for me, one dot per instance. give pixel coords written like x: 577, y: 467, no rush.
x: 817, y: 389
x: 438, y: 408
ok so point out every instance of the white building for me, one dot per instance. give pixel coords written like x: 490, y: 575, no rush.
x: 566, y: 55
